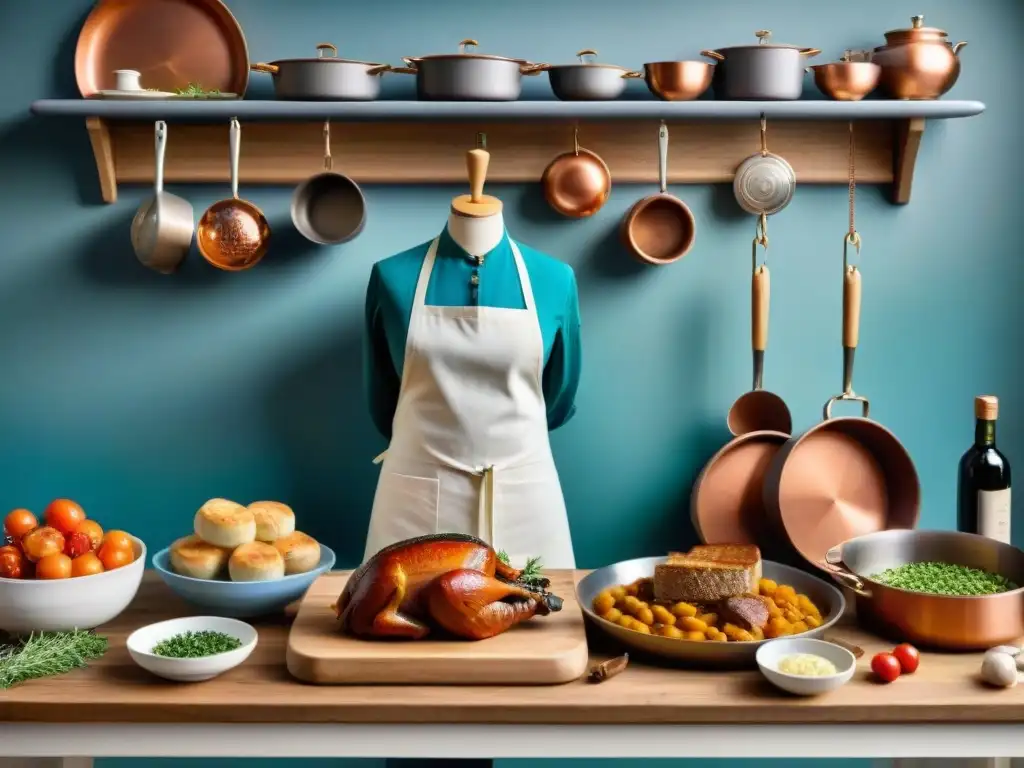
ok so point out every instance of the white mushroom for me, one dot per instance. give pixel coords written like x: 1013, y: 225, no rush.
x: 999, y: 670
x: 1009, y: 650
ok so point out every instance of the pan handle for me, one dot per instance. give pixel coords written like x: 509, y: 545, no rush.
x: 236, y: 153
x: 760, y: 298
x: 713, y: 55
x: 841, y: 575
x: 663, y: 157
x: 851, y: 337
x: 160, y: 131
x: 259, y: 66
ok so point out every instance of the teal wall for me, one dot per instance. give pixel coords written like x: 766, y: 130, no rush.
x: 141, y: 395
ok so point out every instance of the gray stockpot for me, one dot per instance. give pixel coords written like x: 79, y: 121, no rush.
x: 467, y: 76
x: 762, y: 72
x: 326, y: 78
x: 587, y: 81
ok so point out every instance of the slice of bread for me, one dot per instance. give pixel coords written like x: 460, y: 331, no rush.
x: 707, y: 574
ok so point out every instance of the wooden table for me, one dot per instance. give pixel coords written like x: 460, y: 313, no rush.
x: 114, y: 708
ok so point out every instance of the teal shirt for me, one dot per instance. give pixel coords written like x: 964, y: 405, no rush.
x: 389, y: 298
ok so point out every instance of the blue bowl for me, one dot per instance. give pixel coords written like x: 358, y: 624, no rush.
x: 240, y: 599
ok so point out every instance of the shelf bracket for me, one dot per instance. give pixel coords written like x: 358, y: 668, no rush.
x: 103, y: 151
x: 908, y: 142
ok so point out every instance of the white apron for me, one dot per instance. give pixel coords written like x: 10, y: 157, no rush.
x: 469, y: 451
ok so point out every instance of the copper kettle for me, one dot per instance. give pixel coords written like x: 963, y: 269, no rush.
x: 917, y: 63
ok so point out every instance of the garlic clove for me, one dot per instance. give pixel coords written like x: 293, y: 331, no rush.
x: 999, y: 670
x: 1009, y: 650
x: 1020, y: 662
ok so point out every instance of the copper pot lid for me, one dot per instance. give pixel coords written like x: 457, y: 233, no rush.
x: 585, y: 62
x: 462, y: 54
x: 332, y: 58
x: 916, y: 33
x: 763, y: 36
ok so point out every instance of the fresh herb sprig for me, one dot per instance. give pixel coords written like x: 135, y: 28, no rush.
x: 44, y: 654
x: 196, y: 645
x: 531, y: 575
x: 944, y: 579
x: 197, y: 90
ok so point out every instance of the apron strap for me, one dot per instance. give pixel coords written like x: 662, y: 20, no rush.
x: 420, y: 297
x: 485, y: 511
x: 524, y: 276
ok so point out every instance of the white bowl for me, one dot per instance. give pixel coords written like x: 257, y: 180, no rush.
x: 771, y: 653
x: 60, y: 605
x: 142, y: 641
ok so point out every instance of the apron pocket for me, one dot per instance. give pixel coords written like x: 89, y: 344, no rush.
x: 405, y: 507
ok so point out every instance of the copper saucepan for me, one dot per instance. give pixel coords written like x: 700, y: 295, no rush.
x: 233, y: 234
x: 844, y: 477
x: 939, y: 621
x: 659, y: 229
x: 577, y: 184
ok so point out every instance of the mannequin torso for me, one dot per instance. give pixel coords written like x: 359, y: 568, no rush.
x: 476, y: 235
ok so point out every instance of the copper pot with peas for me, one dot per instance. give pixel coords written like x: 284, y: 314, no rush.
x: 941, y: 589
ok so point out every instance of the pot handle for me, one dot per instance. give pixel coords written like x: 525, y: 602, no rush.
x: 632, y: 75
x: 526, y: 69
x: 810, y: 51
x: 259, y: 66
x: 713, y: 55
x: 585, y: 52
x: 463, y: 44
x: 321, y: 47
x: 379, y: 70
x: 833, y: 564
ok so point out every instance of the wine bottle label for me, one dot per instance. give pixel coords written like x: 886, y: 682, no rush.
x: 994, y: 514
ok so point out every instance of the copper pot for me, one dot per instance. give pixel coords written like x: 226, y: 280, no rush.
x: 848, y: 79
x: 678, y: 80
x: 939, y: 621
x: 577, y: 184
x: 918, y: 63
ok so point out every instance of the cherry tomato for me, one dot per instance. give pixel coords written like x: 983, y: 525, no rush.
x: 77, y: 544
x: 54, y: 567
x: 64, y: 515
x: 19, y: 522
x: 886, y: 667
x: 93, y: 530
x: 12, y: 563
x: 41, y: 542
x: 118, y: 540
x: 908, y: 656
x: 86, y: 565
x: 115, y: 558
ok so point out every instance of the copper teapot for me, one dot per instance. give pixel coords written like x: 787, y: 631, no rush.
x: 918, y: 63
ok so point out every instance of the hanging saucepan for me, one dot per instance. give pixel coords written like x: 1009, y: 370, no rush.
x: 162, y: 229
x: 659, y: 229
x: 845, y: 477
x: 328, y: 208
x: 325, y: 78
x: 233, y: 234
x: 761, y: 72
x: 587, y: 81
x: 577, y: 184
x: 764, y: 182
x: 466, y: 76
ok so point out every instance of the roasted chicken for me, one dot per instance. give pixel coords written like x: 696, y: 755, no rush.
x: 451, y: 582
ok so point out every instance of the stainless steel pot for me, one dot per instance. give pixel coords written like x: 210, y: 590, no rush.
x: 762, y: 72
x: 163, y: 226
x: 328, y: 208
x: 326, y: 78
x: 466, y: 76
x: 939, y: 621
x: 587, y: 81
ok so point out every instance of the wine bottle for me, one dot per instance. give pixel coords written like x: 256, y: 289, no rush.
x: 983, y: 488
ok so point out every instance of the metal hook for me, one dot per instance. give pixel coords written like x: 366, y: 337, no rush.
x: 576, y: 138
x: 764, y: 136
x: 760, y: 238
x: 851, y: 238
x: 328, y: 160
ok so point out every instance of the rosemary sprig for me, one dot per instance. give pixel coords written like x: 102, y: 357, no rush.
x: 195, y: 89
x: 44, y: 654
x: 531, y: 574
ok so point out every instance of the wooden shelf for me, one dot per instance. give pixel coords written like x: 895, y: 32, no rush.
x: 402, y: 142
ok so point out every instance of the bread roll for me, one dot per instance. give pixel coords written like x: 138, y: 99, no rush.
x: 256, y: 561
x: 225, y: 524
x: 301, y: 553
x: 273, y: 520
x: 193, y: 557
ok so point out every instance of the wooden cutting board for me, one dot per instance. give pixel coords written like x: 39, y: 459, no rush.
x: 546, y: 650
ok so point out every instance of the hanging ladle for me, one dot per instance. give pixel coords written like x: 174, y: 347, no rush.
x: 759, y: 409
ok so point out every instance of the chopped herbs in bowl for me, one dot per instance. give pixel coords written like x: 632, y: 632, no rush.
x: 192, y: 649
x: 944, y: 579
x: 195, y: 645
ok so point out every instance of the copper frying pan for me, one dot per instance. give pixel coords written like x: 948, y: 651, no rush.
x: 845, y: 477
x: 759, y: 409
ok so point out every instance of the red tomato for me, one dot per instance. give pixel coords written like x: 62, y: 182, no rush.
x: 86, y: 565
x: 41, y: 542
x: 19, y: 522
x: 54, y: 567
x: 64, y: 515
x: 118, y: 540
x: 908, y: 657
x: 12, y: 563
x: 115, y: 558
x: 886, y: 667
x: 77, y: 544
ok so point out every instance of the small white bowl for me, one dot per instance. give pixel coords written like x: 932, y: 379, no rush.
x: 142, y: 641
x: 770, y: 654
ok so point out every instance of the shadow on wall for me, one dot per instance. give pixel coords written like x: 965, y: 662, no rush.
x: 319, y: 419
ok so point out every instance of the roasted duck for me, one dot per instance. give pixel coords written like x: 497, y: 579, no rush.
x: 445, y: 581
